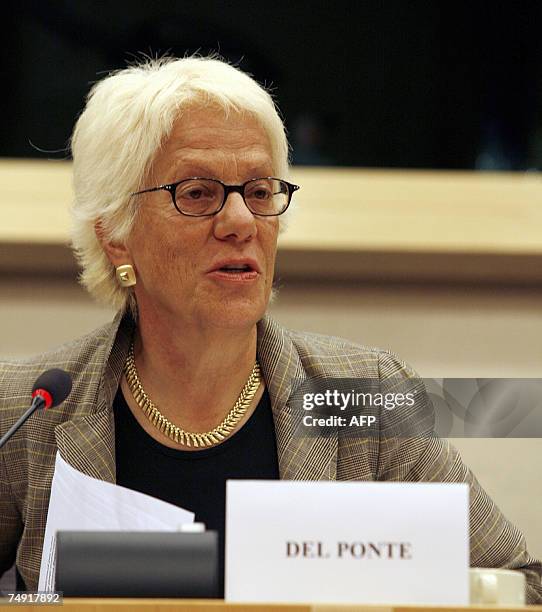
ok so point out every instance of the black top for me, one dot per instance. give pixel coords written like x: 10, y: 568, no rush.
x: 195, y: 480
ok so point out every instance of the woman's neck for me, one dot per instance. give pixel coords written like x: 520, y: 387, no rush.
x: 193, y: 375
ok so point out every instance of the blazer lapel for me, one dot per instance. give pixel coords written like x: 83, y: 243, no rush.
x: 301, y: 457
x: 87, y: 442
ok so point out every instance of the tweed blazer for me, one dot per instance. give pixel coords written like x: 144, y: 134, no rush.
x: 82, y: 429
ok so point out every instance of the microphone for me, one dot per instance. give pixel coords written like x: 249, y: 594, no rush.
x: 53, y: 387
x: 50, y: 389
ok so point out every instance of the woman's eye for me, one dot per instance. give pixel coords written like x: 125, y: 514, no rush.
x: 195, y: 194
x: 261, y: 194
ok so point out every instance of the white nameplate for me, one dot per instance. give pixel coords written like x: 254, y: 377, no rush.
x: 347, y: 542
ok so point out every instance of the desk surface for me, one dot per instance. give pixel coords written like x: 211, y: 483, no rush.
x: 345, y: 223
x: 180, y: 605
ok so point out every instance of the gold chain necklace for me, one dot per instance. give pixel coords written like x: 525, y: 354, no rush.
x: 177, y: 434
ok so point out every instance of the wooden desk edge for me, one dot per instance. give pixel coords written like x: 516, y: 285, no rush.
x: 213, y: 605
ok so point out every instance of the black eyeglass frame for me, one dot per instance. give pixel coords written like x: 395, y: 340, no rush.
x: 240, y: 189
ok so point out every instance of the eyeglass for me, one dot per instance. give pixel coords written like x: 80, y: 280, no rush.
x: 203, y: 197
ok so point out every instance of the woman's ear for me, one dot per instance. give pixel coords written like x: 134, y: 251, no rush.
x: 117, y: 253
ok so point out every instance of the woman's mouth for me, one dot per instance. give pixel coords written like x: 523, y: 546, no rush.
x: 236, y: 273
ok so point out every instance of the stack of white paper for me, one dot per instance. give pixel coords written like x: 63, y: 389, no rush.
x: 81, y: 503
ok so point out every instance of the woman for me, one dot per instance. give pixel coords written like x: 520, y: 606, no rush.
x: 176, y: 224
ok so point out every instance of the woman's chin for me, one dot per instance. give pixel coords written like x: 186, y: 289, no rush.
x: 235, y: 314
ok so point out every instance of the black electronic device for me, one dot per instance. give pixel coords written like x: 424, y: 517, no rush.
x: 137, y: 564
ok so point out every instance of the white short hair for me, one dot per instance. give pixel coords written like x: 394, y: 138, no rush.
x: 128, y: 115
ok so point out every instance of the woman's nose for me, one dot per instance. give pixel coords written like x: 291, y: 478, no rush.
x: 235, y: 219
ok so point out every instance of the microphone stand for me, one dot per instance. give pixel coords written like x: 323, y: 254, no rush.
x: 37, y: 403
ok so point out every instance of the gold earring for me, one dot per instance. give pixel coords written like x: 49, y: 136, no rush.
x: 126, y: 275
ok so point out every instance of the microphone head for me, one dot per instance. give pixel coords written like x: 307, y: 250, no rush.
x: 53, y: 386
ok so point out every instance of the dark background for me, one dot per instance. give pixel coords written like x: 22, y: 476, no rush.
x: 393, y: 83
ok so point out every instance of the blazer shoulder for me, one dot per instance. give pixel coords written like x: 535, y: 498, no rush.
x: 93, y: 341
x: 340, y: 357
x: 80, y: 357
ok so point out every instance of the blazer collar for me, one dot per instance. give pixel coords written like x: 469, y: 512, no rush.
x: 88, y: 443
x: 301, y: 457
